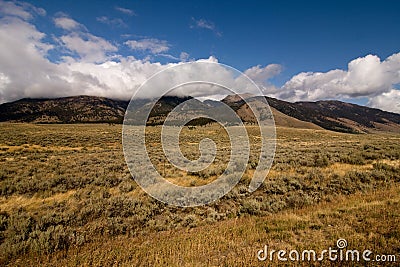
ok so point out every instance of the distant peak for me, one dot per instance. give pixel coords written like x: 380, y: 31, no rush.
x: 237, y: 97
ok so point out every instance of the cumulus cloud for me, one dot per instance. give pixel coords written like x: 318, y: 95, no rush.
x: 84, y: 74
x: 91, y: 65
x: 109, y: 79
x: 261, y: 76
x: 24, y: 69
x: 36, y: 76
x: 21, y: 10
x: 82, y: 43
x: 152, y: 45
x: 88, y: 47
x: 365, y: 77
x: 389, y: 101
x: 66, y: 23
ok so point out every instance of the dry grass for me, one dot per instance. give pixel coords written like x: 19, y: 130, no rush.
x: 15, y: 202
x: 67, y: 198
x: 366, y: 221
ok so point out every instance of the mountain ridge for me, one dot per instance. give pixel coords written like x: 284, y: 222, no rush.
x: 324, y: 114
x: 73, y: 109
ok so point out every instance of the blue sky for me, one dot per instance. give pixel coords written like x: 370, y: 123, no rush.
x: 300, y: 35
x: 297, y: 39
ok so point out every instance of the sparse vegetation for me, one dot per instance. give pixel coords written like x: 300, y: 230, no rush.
x: 67, y: 197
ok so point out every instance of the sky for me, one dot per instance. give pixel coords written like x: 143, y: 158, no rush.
x: 294, y: 50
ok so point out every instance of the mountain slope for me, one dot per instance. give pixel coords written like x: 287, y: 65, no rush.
x: 284, y: 120
x: 339, y: 116
x: 331, y: 115
x: 307, y: 114
x: 358, y: 117
x: 74, y: 109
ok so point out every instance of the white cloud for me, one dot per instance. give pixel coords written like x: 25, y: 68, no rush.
x: 109, y: 79
x: 389, y: 101
x: 25, y: 70
x: 210, y: 59
x: 90, y: 48
x: 89, y: 67
x: 67, y: 23
x: 87, y: 46
x: 168, y: 56
x: 366, y: 77
x: 21, y: 10
x: 126, y: 11
x: 4, y: 81
x: 260, y: 74
x: 184, y: 56
x: 312, y: 86
x: 202, y: 23
x: 205, y: 24
x: 117, y: 22
x: 93, y: 72
x: 35, y: 76
x: 152, y: 45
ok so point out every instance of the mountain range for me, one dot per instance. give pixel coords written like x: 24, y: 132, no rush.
x: 328, y: 114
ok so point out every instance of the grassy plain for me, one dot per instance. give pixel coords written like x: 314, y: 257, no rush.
x: 67, y: 198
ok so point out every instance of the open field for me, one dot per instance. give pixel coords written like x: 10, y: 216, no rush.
x: 67, y: 197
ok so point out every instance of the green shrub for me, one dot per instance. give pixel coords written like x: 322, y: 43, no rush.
x: 190, y: 221
x: 321, y: 160
x: 250, y: 206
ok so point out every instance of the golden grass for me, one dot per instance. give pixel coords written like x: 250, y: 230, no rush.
x: 31, y: 203
x: 366, y: 221
x: 369, y: 218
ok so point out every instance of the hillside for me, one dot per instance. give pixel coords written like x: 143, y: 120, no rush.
x: 332, y: 115
x: 67, y: 198
x: 76, y: 109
